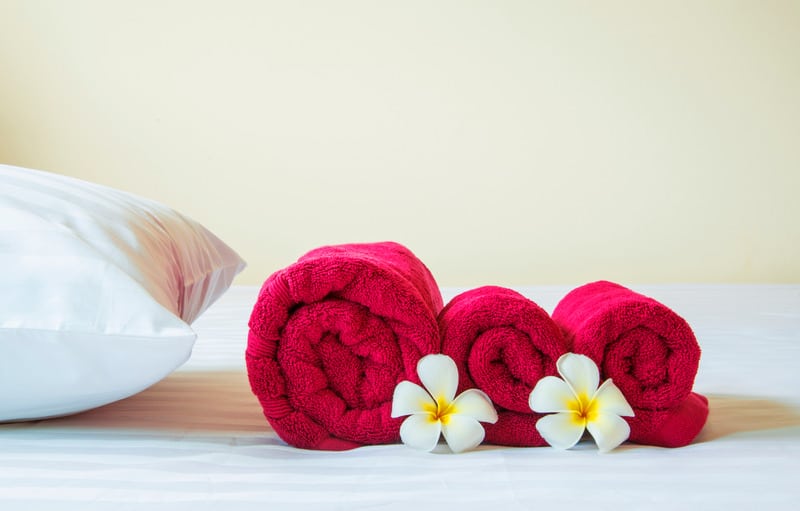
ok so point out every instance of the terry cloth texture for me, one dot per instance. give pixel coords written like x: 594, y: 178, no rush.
x: 333, y: 334
x: 648, y: 350
x: 502, y: 343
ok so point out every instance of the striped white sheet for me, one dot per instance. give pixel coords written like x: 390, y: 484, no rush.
x: 198, y: 441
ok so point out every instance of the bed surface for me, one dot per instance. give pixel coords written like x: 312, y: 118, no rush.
x: 197, y: 440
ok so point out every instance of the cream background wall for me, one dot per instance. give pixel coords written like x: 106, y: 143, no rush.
x: 503, y: 141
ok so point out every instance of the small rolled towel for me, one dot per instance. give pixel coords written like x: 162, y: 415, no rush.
x: 648, y: 350
x: 502, y: 343
x: 333, y: 334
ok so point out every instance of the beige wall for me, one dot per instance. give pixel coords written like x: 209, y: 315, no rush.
x: 506, y: 142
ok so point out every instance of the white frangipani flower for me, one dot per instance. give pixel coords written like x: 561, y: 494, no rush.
x: 578, y: 404
x: 433, y: 411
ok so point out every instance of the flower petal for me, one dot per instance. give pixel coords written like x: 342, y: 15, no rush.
x: 609, y: 399
x: 561, y: 430
x: 421, y: 431
x: 411, y: 398
x: 551, y: 394
x: 580, y: 372
x: 462, y: 432
x: 440, y: 376
x: 608, y: 430
x: 476, y: 404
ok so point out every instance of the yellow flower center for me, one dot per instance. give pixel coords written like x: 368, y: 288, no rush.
x: 584, y: 409
x: 440, y: 411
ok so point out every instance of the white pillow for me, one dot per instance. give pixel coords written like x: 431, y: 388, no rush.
x: 97, y: 290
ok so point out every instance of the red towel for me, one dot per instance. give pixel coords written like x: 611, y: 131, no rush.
x: 333, y: 334
x: 502, y: 343
x: 647, y: 349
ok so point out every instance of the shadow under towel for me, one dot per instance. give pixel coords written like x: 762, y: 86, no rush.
x: 333, y: 334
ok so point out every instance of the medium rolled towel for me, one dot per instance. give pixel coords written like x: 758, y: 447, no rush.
x: 502, y: 343
x: 332, y: 335
x: 648, y: 350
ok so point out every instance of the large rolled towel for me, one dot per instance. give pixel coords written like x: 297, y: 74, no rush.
x: 648, y: 350
x: 502, y: 343
x: 332, y: 335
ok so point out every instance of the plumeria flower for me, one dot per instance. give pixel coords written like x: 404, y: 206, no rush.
x: 432, y: 410
x: 578, y: 405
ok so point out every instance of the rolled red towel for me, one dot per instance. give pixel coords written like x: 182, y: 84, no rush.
x: 648, y: 350
x: 332, y: 335
x: 502, y: 343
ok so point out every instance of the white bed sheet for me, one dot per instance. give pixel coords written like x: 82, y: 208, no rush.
x: 198, y: 441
